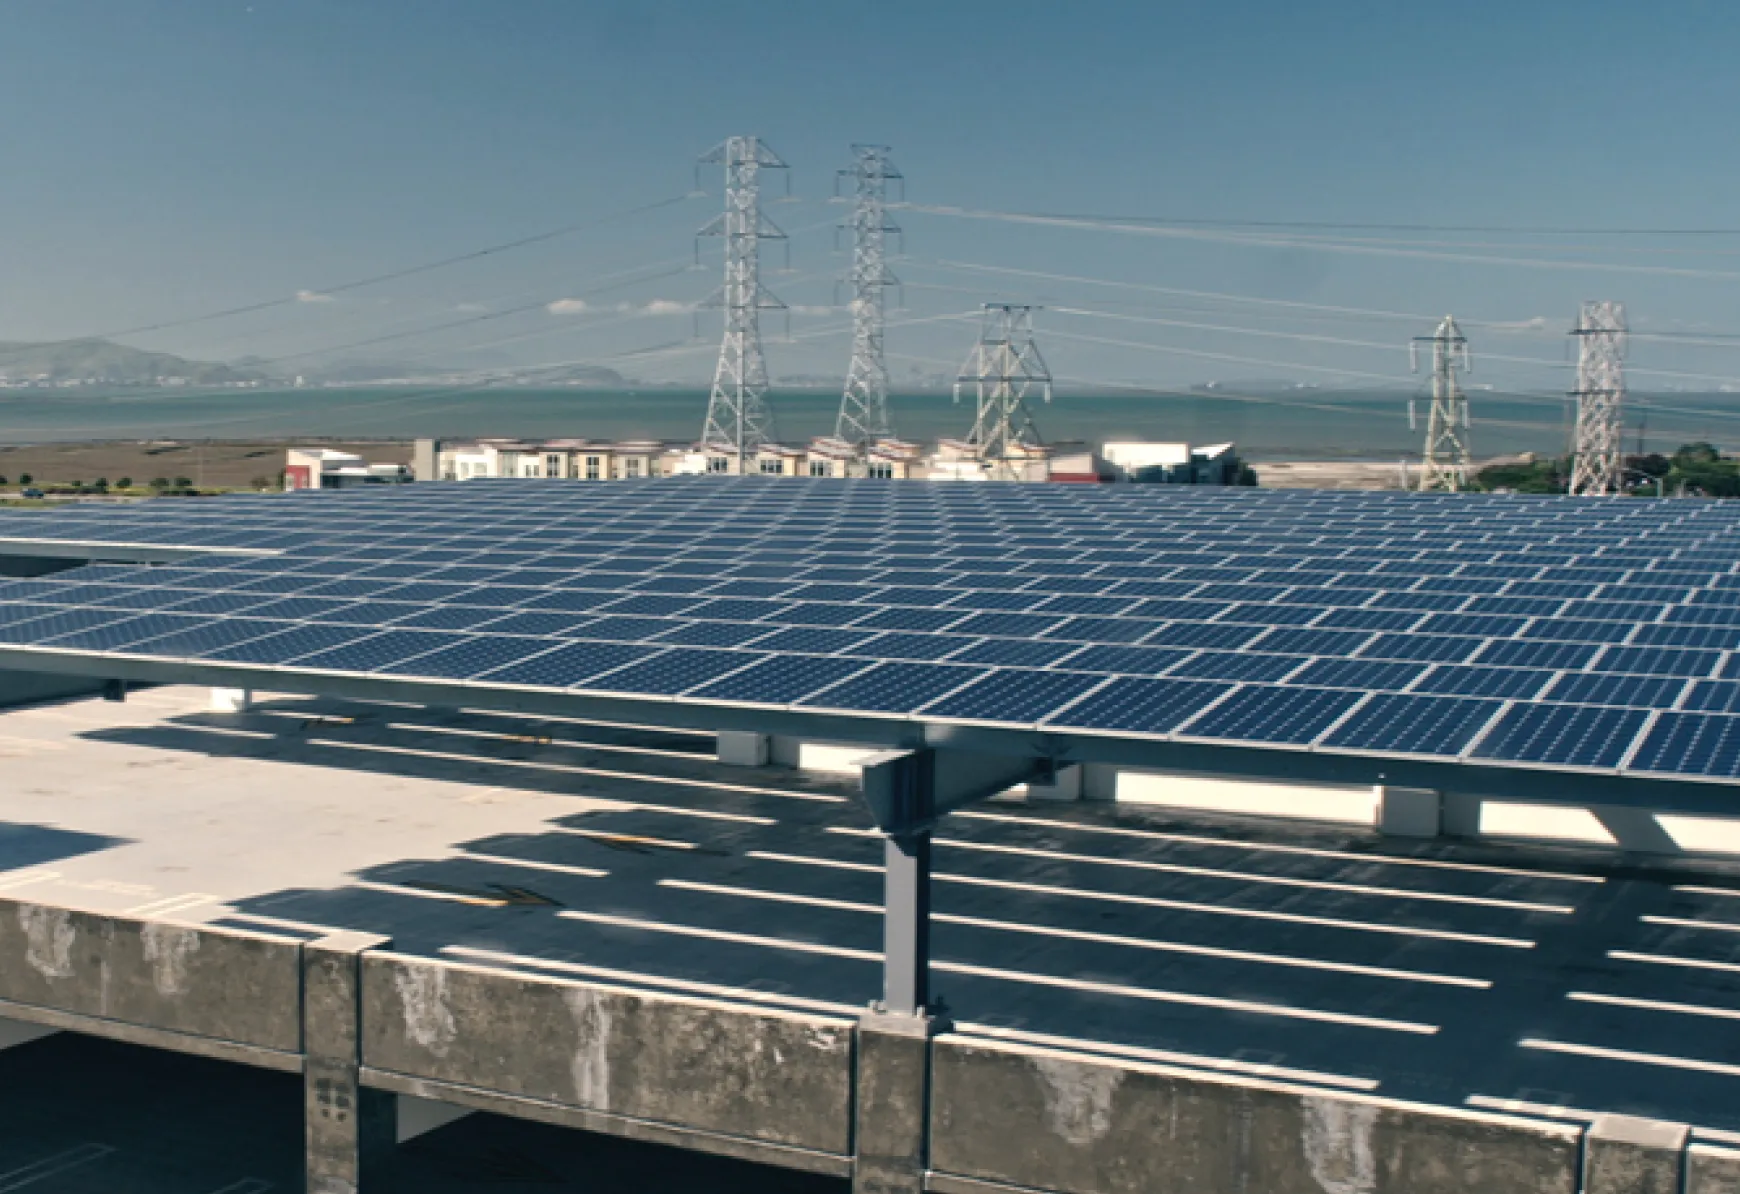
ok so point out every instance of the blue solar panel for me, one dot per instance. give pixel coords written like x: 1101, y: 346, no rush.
x: 821, y: 613
x: 1519, y: 684
x: 673, y: 671
x: 115, y: 635
x: 473, y: 655
x: 979, y: 599
x: 624, y: 629
x: 1014, y: 695
x: 1475, y: 625
x: 1272, y: 615
x: 1311, y: 642
x: 1138, y: 706
x: 1206, y: 635
x: 1658, y: 661
x: 1715, y: 638
x: 50, y: 622
x: 370, y: 613
x: 1005, y: 625
x: 566, y: 666
x: 812, y: 640
x: 920, y: 647
x: 893, y: 687
x: 1422, y: 648
x: 539, y: 625
x: 651, y: 604
x: 1279, y: 715
x: 213, y: 635
x: 1421, y: 725
x: 1128, y: 661
x: 281, y: 648
x: 1641, y: 692
x: 1515, y: 653
x: 1014, y: 652
x: 1691, y: 744
x: 1370, y: 619
x: 561, y: 601
x: 1358, y: 673
x: 1086, y: 629
x: 1714, y: 696
x: 375, y: 652
x: 1237, y: 665
x: 1582, y: 630
x: 714, y: 634
x: 213, y: 603
x: 782, y: 679
x: 1527, y: 607
x: 1097, y: 606
x: 1566, y: 735
x: 912, y: 619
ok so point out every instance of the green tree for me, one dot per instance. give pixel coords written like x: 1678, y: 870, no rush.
x: 124, y: 483
x: 25, y: 478
x: 160, y: 483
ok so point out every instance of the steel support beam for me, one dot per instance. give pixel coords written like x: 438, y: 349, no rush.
x: 906, y: 923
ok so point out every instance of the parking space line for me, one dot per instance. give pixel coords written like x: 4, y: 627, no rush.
x: 248, y: 1185
x: 1655, y: 1005
x: 583, y: 872
x: 1603, y: 1053
x: 1678, y: 922
x: 168, y: 904
x: 1174, y: 868
x: 1110, y: 897
x: 1177, y: 947
x: 25, y: 877
x: 52, y: 1166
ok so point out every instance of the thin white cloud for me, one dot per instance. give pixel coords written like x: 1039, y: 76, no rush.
x: 1539, y: 323
x: 803, y: 310
x: 569, y: 307
x: 470, y: 308
x: 312, y: 296
x: 667, y: 307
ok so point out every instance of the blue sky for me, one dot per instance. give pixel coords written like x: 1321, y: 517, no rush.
x: 170, y: 157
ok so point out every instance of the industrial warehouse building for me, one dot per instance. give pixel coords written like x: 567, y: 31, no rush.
x: 584, y: 865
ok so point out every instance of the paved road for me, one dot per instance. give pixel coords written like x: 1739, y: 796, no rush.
x: 1520, y: 978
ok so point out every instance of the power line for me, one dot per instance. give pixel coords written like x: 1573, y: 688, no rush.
x: 1339, y: 226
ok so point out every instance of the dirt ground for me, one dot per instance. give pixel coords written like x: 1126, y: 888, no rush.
x: 1329, y: 474
x: 214, y: 464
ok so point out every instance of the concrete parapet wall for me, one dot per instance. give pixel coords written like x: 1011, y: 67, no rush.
x: 1038, y: 1119
x: 22, y: 688
x: 779, y: 1077
x: 121, y: 973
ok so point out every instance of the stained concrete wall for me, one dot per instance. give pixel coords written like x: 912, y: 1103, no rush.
x: 1056, y: 1121
x: 772, y: 1076
x: 115, y: 974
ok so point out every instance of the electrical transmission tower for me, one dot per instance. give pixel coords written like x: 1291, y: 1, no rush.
x: 1444, y: 462
x: 738, y: 419
x: 864, y: 404
x: 1597, y: 467
x: 1005, y: 366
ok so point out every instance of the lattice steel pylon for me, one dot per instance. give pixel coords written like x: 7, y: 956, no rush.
x: 738, y: 419
x: 1597, y: 462
x: 1444, y: 461
x: 1004, y: 368
x: 864, y: 404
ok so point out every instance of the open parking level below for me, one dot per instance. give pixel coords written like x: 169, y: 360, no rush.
x: 358, y: 911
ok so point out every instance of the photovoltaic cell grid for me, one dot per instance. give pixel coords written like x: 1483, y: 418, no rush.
x: 1560, y: 633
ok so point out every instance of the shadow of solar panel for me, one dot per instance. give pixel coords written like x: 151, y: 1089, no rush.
x: 1014, y: 652
x: 1658, y: 661
x: 1237, y: 665
x: 1415, y: 725
x: 812, y: 640
x: 1272, y: 714
x: 673, y: 671
x: 376, y: 651
x: 1138, y: 705
x: 1014, y: 696
x: 782, y: 679
x: 289, y: 644
x: 1568, y: 735
x: 1127, y: 661
x: 1362, y: 674
x: 474, y: 655
x: 1691, y: 744
x: 1638, y: 692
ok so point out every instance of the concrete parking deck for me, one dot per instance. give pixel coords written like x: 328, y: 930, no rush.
x: 1557, y: 983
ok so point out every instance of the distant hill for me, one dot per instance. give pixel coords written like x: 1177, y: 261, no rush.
x: 109, y: 363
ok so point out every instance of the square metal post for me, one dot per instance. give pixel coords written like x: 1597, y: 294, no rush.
x: 906, y: 923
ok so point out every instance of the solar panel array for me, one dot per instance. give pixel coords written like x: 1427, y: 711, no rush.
x: 1573, y: 634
